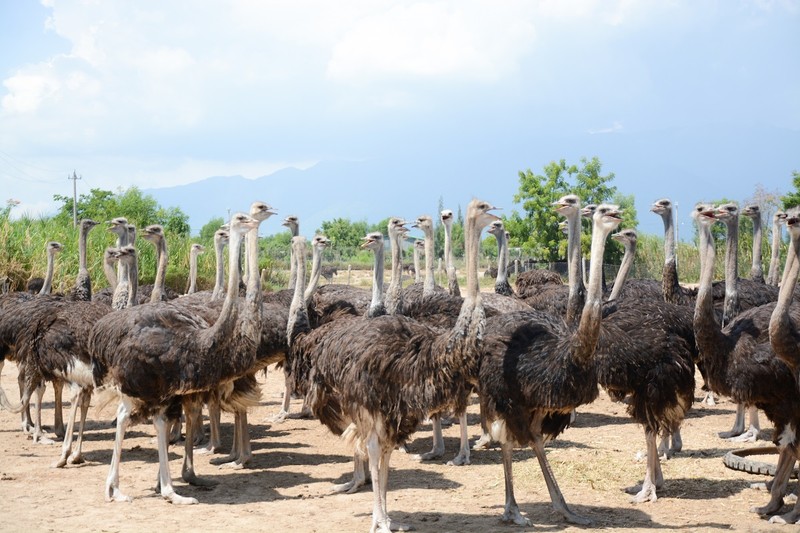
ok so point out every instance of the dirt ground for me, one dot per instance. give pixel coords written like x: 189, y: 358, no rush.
x: 286, y: 487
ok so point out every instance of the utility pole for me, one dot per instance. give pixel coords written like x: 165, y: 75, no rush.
x: 74, y: 179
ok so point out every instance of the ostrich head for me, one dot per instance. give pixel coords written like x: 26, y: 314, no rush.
x: 704, y: 214
x: 567, y: 205
x: 423, y: 222
x: 87, y: 224
x: 662, y: 207
x: 292, y: 223
x: 779, y: 217
x: 153, y: 233
x: 497, y: 229
x: 483, y: 216
x: 221, y: 236
x: 588, y: 210
x: 373, y: 241
x: 118, y: 226
x: 197, y: 249
x: 752, y: 211
x: 419, y: 244
x: 320, y: 241
x: 53, y: 247
x: 261, y: 211
x: 608, y: 216
x: 626, y: 237
x: 728, y: 212
x: 447, y: 216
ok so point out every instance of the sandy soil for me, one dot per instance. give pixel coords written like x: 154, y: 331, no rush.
x: 286, y: 487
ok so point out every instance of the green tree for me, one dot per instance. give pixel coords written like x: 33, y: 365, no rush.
x: 344, y: 233
x: 536, y: 229
x: 210, y: 228
x: 792, y: 199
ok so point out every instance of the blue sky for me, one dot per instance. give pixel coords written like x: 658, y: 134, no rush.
x: 158, y: 94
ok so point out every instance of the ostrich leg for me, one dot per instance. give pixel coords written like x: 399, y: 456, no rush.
x: 162, y: 424
x: 552, y: 487
x: 511, y: 511
x: 653, y: 478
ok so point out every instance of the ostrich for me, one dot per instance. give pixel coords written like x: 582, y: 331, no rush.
x: 394, y: 293
x: 83, y: 282
x: 293, y: 224
x: 778, y: 219
x: 155, y: 235
x: 753, y: 211
x: 429, y: 372
x: 536, y: 368
x: 645, y: 357
x: 741, y: 364
x: 672, y: 290
x: 158, y: 357
x: 452, y: 280
x: 14, y: 308
x: 194, y: 251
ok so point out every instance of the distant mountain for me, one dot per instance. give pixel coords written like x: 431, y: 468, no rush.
x: 685, y: 164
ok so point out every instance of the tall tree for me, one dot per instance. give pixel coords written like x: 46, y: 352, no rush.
x: 792, y: 199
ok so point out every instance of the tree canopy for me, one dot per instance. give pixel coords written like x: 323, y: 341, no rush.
x: 792, y: 199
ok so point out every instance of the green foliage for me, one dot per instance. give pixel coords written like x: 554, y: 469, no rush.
x: 140, y: 210
x: 346, y: 234
x: 210, y: 228
x: 536, y: 229
x: 792, y: 199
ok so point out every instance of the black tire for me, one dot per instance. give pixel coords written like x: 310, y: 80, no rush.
x: 743, y: 461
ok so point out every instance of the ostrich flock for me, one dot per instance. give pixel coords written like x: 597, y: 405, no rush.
x: 372, y: 365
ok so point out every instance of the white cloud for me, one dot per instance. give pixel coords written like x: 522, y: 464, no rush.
x: 614, y: 128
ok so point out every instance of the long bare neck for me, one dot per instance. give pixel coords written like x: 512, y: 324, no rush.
x: 219, y: 278
x: 110, y: 273
x: 47, y: 286
x: 133, y: 283
x: 782, y: 331
x: 707, y: 330
x: 162, y: 259
x: 624, y: 270
x: 757, y: 268
x: 229, y: 313
x: 452, y: 278
x: 501, y: 285
x: 471, y: 320
x: 82, y: 260
x: 250, y: 319
x: 731, y: 305
x: 376, y: 306
x: 669, y: 276
x: 295, y: 231
x: 394, y: 294
x: 122, y: 240
x: 316, y: 270
x: 589, y: 326
x: 429, y: 284
x: 417, y: 272
x: 298, y: 314
x: 192, y: 272
x: 775, y: 252
x: 575, y: 300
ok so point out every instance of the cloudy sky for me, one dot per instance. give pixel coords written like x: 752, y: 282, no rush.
x: 162, y: 93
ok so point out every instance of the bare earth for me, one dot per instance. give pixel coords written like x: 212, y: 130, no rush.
x: 286, y: 487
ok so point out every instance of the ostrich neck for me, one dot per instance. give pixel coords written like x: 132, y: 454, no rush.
x: 772, y: 277
x: 576, y: 294
x: 708, y: 334
x: 219, y: 278
x: 250, y: 319
x: 192, y: 273
x: 669, y: 277
x: 82, y: 262
x: 295, y: 231
x: 316, y: 270
x: 133, y: 283
x: 731, y: 304
x: 161, y: 271
x: 111, y: 275
x: 624, y: 270
x: 452, y: 279
x: 429, y: 283
x: 394, y: 294
x: 376, y: 306
x: 757, y: 269
x: 588, y: 330
x: 782, y: 332
x: 417, y: 273
x: 47, y: 286
x: 228, y: 316
x: 122, y: 268
x: 471, y: 320
x: 502, y: 259
x: 83, y: 282
x: 298, y: 314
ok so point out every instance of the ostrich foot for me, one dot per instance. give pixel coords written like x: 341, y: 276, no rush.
x: 113, y: 494
x: 351, y: 487
x: 75, y: 459
x: 402, y: 448
x: 573, y: 518
x: 792, y: 517
x: 236, y: 464
x: 710, y: 399
x: 193, y: 479
x: 642, y: 493
x: 219, y: 461
x: 208, y: 449
x: 61, y: 463
x: 396, y: 526
x: 177, y: 499
x: 772, y: 507
x: 483, y: 443
x: 41, y: 439
x: 513, y: 515
x: 751, y: 435
x: 278, y: 418
x: 459, y: 460
x: 435, y: 453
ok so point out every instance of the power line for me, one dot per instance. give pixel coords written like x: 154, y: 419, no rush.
x: 10, y: 162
